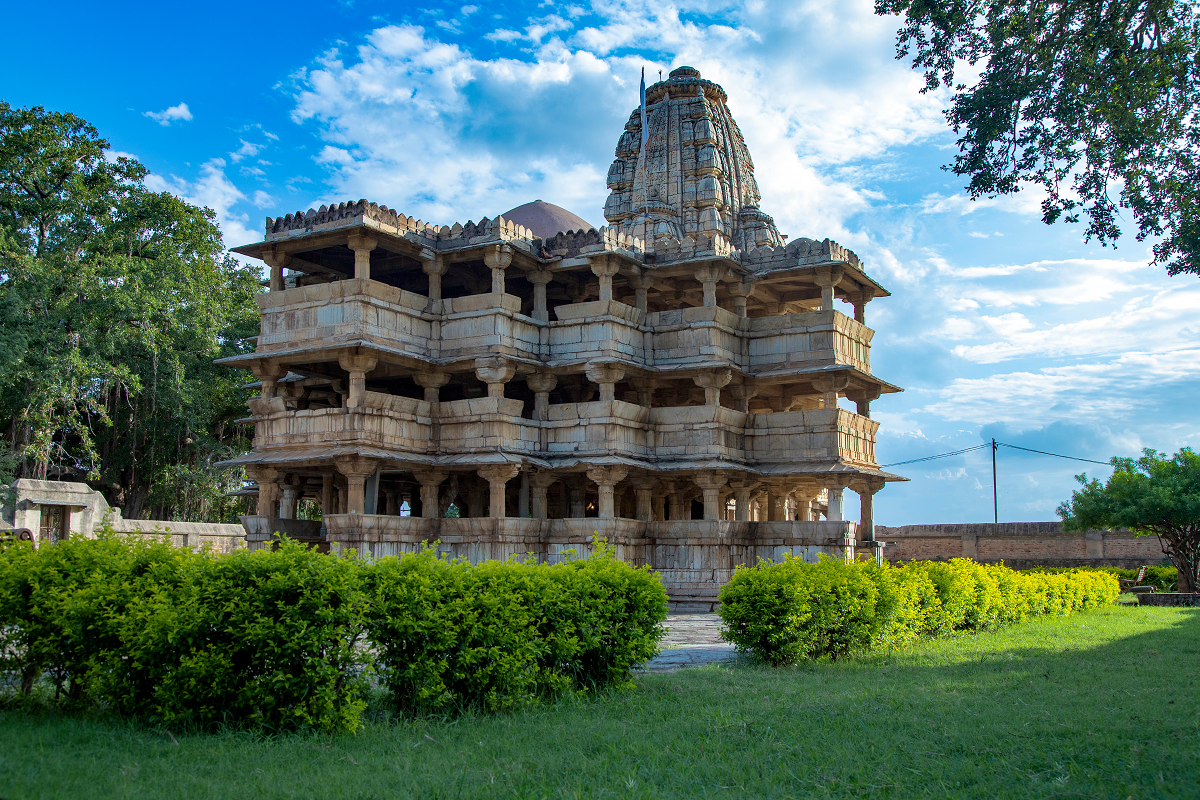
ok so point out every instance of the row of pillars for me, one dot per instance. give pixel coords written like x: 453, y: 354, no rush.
x: 498, y: 258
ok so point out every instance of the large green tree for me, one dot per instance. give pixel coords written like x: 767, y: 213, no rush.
x: 1152, y: 495
x: 1094, y: 101
x: 114, y: 301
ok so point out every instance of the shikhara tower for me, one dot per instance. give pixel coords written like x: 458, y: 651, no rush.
x: 670, y: 382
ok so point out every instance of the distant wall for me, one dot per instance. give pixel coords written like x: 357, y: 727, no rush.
x: 1020, y: 544
x: 87, y: 510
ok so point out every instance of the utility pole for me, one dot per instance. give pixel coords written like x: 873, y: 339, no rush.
x: 995, y: 504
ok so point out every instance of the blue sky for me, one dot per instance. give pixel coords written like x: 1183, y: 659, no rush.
x: 998, y: 325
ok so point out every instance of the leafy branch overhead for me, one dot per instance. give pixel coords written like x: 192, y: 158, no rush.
x: 114, y: 300
x: 1095, y: 102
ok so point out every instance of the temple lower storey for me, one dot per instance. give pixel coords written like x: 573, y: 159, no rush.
x: 693, y: 557
x: 681, y: 382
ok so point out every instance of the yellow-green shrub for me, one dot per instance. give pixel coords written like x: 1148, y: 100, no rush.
x: 792, y: 610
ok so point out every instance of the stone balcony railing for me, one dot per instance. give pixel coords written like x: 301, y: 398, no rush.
x: 353, y: 310
x: 574, y: 430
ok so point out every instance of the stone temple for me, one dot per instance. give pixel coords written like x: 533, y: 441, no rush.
x: 525, y: 384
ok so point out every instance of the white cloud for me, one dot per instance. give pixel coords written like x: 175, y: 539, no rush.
x: 212, y: 190
x: 179, y: 113
x: 263, y: 200
x: 248, y: 149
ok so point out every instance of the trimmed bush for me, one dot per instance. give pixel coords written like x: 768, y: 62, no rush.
x: 451, y: 636
x: 790, y: 611
x: 287, y: 639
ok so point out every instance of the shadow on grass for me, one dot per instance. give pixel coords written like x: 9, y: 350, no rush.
x: 1099, y: 705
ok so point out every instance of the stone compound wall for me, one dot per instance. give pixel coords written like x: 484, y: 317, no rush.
x: 89, y: 510
x: 1020, y: 545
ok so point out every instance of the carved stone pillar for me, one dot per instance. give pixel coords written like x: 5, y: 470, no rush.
x: 475, y: 499
x: 677, y: 502
x: 605, y: 376
x: 356, y: 470
x: 606, y: 478
x: 433, y: 266
x: 276, y: 260
x: 742, y: 393
x: 289, y: 500
x: 268, y: 490
x: 708, y: 277
x: 495, y: 371
x: 864, y: 296
x: 866, y: 508
x: 327, y: 495
x: 358, y: 365
x: 827, y: 277
x: 269, y: 372
x: 645, y: 391
x: 430, y: 482
x: 712, y: 381
x: 741, y: 293
x: 390, y: 506
x: 541, y: 384
x: 605, y: 267
x: 710, y: 487
x: 644, y: 491
x: 862, y: 400
x: 576, y: 498
x: 835, y: 504
x: 523, y: 496
x: 362, y: 245
x: 742, y: 488
x: 831, y: 387
x: 498, y: 257
x: 539, y: 487
x: 431, y: 382
x: 641, y: 285
x: 539, y: 279
x: 497, y: 478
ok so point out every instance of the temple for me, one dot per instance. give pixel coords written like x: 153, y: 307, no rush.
x: 671, y: 382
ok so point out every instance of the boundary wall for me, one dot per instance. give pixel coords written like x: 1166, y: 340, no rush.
x: 1021, y: 545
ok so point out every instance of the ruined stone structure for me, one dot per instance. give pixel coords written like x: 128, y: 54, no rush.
x: 670, y: 382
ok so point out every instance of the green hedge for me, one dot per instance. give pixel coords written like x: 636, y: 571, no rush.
x: 793, y: 610
x: 290, y: 638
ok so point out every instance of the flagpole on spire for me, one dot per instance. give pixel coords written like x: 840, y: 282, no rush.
x: 644, y: 137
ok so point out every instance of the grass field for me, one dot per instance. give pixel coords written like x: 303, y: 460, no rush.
x: 1101, y: 705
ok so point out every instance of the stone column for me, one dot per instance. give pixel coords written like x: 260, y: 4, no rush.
x: 605, y: 267
x: 276, y: 260
x: 678, y: 505
x: 576, y: 499
x: 289, y: 500
x: 474, y: 499
x: 710, y: 484
x: 862, y: 400
x: 269, y: 372
x: 539, y: 486
x: 431, y: 382
x: 641, y: 285
x: 327, y: 495
x: 362, y: 245
x: 268, y: 490
x: 433, y: 266
x: 712, y: 381
x: 827, y: 277
x: 775, y: 502
x: 741, y: 497
x: 523, y: 496
x: 831, y: 387
x: 605, y: 375
x: 539, y: 279
x: 644, y: 491
x: 866, y: 508
x: 358, y: 365
x: 742, y: 393
x: 606, y: 478
x: 541, y: 384
x: 645, y: 391
x: 860, y: 303
x: 708, y: 277
x: 356, y: 470
x: 497, y: 478
x: 430, y: 482
x: 390, y: 506
x: 835, y: 505
x: 495, y: 371
x: 498, y: 257
x: 741, y: 292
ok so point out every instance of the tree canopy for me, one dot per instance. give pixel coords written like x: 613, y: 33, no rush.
x: 1150, y: 495
x: 114, y: 301
x: 1095, y: 101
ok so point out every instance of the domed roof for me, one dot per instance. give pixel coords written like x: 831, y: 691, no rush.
x: 546, y: 219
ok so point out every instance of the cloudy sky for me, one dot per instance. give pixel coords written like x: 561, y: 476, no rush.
x: 998, y: 326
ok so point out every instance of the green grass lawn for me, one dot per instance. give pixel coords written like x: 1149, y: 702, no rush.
x: 1100, y: 705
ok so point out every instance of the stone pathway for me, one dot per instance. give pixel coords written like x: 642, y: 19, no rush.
x: 692, y: 640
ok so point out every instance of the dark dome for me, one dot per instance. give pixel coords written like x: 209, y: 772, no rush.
x: 546, y: 219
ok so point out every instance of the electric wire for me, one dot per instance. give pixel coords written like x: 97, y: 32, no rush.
x: 989, y: 444
x: 1056, y: 455
x: 940, y: 455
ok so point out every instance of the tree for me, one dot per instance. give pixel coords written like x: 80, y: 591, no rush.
x: 1085, y: 98
x: 1152, y: 495
x: 114, y: 301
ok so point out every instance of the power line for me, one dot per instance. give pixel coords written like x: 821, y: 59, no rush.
x: 1056, y: 455
x: 940, y: 455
